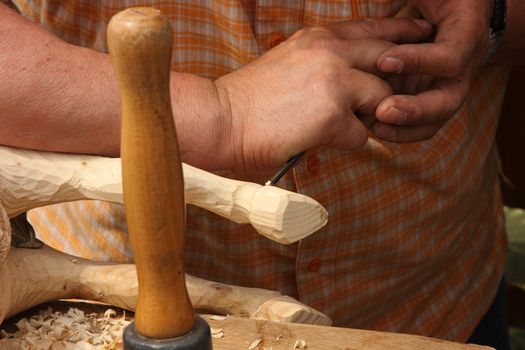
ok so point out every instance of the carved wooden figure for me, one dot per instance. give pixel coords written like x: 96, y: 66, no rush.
x: 31, y: 179
x: 28, y: 277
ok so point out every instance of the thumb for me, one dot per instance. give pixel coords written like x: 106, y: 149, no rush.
x: 452, y: 50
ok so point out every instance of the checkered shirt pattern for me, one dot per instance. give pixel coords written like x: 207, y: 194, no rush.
x: 415, y: 239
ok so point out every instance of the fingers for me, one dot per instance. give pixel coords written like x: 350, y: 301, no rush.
x: 407, y: 118
x: 364, y: 92
x: 361, y: 42
x: 441, y: 101
x: 399, y: 30
x: 367, y: 120
x: 362, y: 54
x: 443, y: 60
x: 452, y: 50
x: 413, y: 84
x: 404, y: 134
x: 351, y: 134
x: 367, y: 92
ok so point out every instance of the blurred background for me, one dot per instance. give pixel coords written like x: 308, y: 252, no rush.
x: 511, y: 145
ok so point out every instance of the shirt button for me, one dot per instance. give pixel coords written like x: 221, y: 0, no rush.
x: 275, y: 39
x: 313, y: 163
x: 314, y: 265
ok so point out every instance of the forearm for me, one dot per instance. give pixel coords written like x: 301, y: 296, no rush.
x: 54, y: 96
x: 59, y: 97
x: 512, y: 49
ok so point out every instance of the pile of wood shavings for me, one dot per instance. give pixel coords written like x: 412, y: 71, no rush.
x: 71, y: 330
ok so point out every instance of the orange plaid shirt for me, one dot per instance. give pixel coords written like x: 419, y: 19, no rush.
x: 415, y: 239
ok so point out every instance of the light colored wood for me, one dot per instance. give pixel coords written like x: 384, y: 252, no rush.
x: 241, y: 333
x: 31, y: 179
x: 238, y: 333
x: 282, y: 216
x: 30, y: 277
x: 5, y: 235
x: 140, y: 42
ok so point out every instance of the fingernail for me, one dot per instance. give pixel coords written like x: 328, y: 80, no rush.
x: 385, y: 132
x: 394, y: 116
x: 391, y: 65
x: 423, y: 24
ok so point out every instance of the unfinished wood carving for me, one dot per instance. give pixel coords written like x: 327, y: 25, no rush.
x: 5, y: 235
x: 32, y: 276
x: 30, y: 179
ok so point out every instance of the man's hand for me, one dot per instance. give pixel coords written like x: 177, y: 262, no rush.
x: 302, y: 94
x: 307, y: 91
x: 423, y: 104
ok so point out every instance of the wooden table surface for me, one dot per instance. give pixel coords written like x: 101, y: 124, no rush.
x: 241, y: 334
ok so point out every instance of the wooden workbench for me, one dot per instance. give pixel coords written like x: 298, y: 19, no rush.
x: 242, y: 334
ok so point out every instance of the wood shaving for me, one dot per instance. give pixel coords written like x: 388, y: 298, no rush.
x: 299, y: 344
x: 71, y: 330
x: 254, y: 344
x: 218, y: 318
x: 216, y: 332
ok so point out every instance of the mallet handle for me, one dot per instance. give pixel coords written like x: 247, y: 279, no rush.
x: 140, y: 43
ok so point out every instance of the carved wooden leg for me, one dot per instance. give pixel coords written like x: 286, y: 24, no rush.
x: 30, y: 179
x: 32, y: 276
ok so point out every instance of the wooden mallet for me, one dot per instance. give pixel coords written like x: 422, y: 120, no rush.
x: 140, y: 44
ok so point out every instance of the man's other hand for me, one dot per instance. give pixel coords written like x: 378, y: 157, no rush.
x: 434, y: 78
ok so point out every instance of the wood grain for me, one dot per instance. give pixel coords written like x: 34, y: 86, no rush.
x: 30, y: 277
x: 140, y: 42
x: 240, y: 334
x: 31, y: 179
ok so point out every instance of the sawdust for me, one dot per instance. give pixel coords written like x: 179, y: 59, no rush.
x: 254, y: 344
x: 71, y: 330
x: 299, y: 344
x: 217, y: 333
